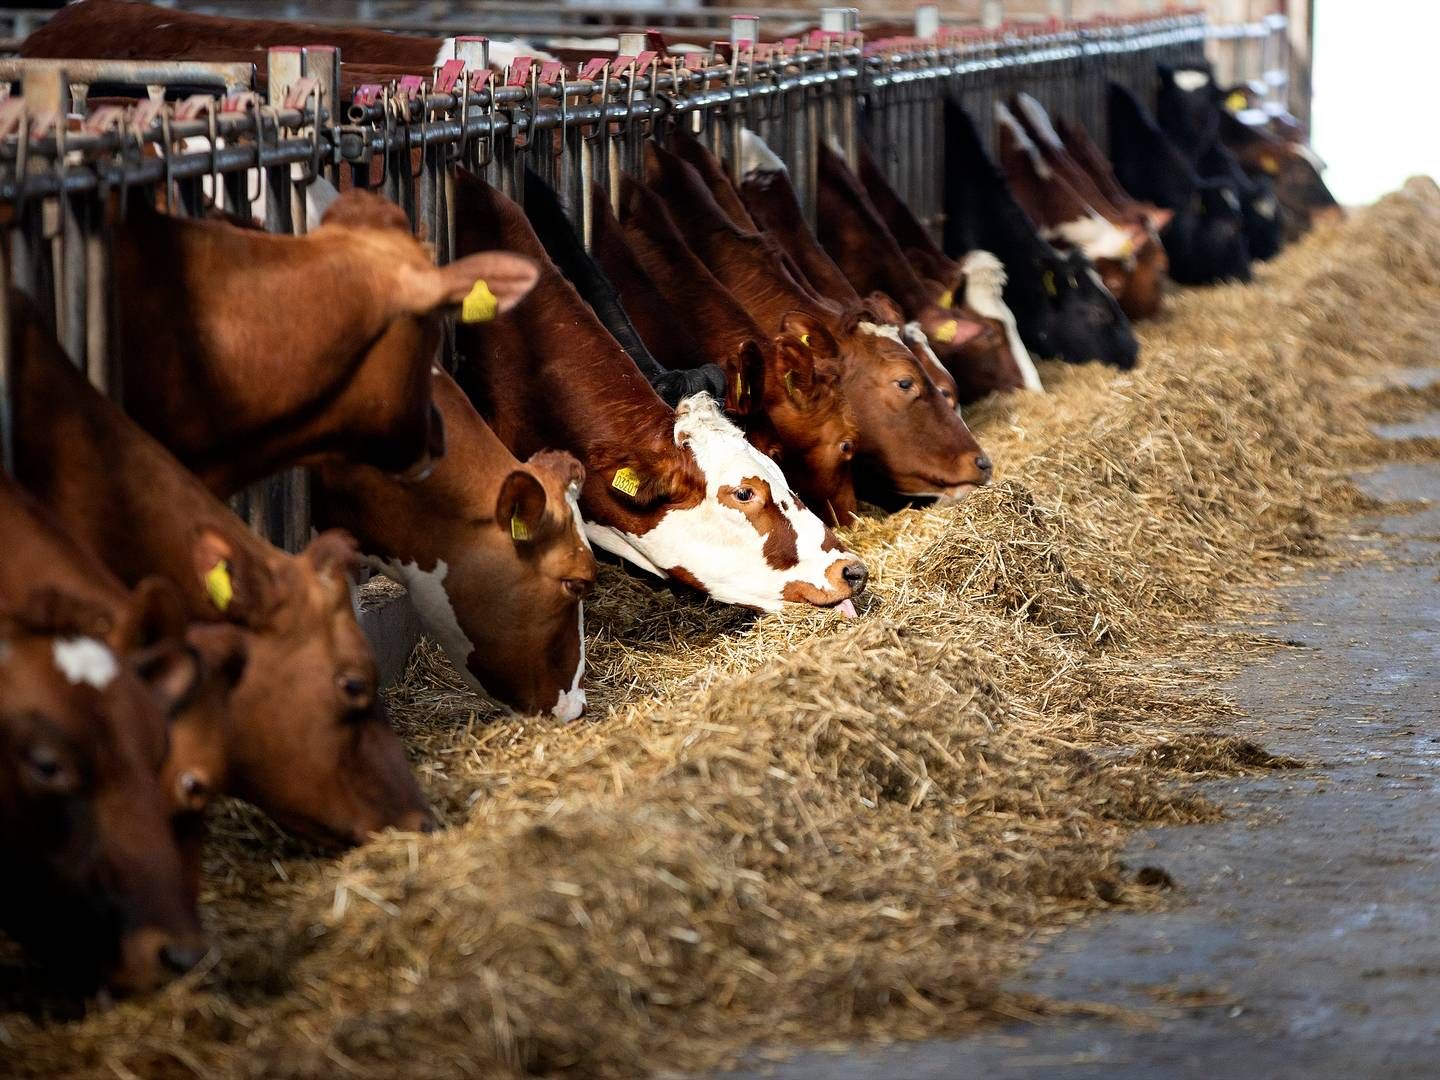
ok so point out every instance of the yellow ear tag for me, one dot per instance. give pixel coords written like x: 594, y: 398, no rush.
x: 1236, y: 102
x: 218, y: 586
x: 518, y: 528
x: 945, y: 332
x: 1270, y: 165
x: 805, y: 339
x: 480, y: 305
x: 739, y: 387
x: 790, y: 383
x: 947, y: 298
x: 1048, y: 280
x: 627, y: 480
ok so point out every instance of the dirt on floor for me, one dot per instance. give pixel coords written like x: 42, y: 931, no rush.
x: 791, y: 829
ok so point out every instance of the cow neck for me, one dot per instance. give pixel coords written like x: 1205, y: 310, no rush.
x: 748, y: 264
x: 852, y: 231
x: 548, y: 375
x: 662, y: 327
x: 897, y: 216
x: 1087, y: 155
x: 114, y: 487
x: 775, y: 208
x: 690, y: 150
x: 683, y: 277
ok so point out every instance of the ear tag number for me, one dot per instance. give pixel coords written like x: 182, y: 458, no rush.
x: 480, y: 305
x: 518, y: 529
x: 218, y: 586
x: 627, y: 480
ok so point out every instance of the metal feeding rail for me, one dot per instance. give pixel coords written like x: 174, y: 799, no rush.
x: 67, y: 162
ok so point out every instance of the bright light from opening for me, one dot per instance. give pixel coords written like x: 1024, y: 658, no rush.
x: 1375, y: 85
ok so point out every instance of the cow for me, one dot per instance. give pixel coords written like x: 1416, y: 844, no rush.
x: 785, y: 386
x: 976, y: 293
x: 912, y: 441
x: 492, y: 551
x: 1292, y: 167
x: 853, y: 232
x: 567, y: 250
x: 307, y: 740
x: 1060, y: 306
x: 1142, y: 264
x: 1205, y: 239
x: 88, y: 676
x: 122, y: 30
x: 676, y: 492
x: 1190, y: 110
x: 1064, y: 217
x: 224, y: 356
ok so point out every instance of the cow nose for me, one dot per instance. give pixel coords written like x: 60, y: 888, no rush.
x: 856, y: 575
x: 420, y: 821
x: 986, y: 468
x: 179, y: 958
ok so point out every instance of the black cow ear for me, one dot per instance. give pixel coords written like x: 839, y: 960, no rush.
x: 520, y: 507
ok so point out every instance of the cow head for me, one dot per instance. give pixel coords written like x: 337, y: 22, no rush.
x: 913, y: 441
x: 705, y: 507
x: 309, y: 742
x: 83, y: 822
x: 808, y: 424
x: 406, y: 293
x: 493, y: 553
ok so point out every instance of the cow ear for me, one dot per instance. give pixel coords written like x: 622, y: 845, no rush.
x: 172, y: 671
x: 235, y: 584
x: 812, y: 334
x: 885, y: 309
x: 482, y: 286
x: 520, y: 506
x: 1160, y: 217
x: 333, y: 551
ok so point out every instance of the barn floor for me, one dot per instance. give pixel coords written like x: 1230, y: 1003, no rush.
x: 1302, y: 940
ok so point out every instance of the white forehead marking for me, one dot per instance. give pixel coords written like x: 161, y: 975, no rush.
x: 85, y: 660
x: 1189, y: 80
x: 1266, y: 207
x: 984, y: 291
x: 919, y: 343
x: 756, y: 156
x: 1040, y: 121
x: 715, y: 543
x: 1005, y: 118
x: 1096, y: 237
x: 884, y: 330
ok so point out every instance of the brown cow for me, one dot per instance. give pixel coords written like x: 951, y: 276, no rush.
x: 972, y: 287
x: 229, y: 360
x: 307, y: 740
x: 1142, y: 292
x: 677, y: 492
x: 912, y: 441
x: 88, y: 675
x: 853, y: 231
x: 787, y: 388
x: 493, y: 553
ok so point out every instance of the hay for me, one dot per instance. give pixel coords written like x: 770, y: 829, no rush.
x: 794, y: 828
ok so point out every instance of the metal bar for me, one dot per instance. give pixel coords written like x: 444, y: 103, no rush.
x: 135, y: 72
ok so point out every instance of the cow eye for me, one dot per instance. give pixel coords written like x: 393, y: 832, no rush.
x: 46, y: 769
x: 744, y: 494
x: 906, y: 383
x: 847, y: 447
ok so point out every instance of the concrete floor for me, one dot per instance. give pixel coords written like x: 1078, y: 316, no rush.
x: 1303, y: 939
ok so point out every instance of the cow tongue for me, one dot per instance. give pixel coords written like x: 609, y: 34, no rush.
x: 846, y: 608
